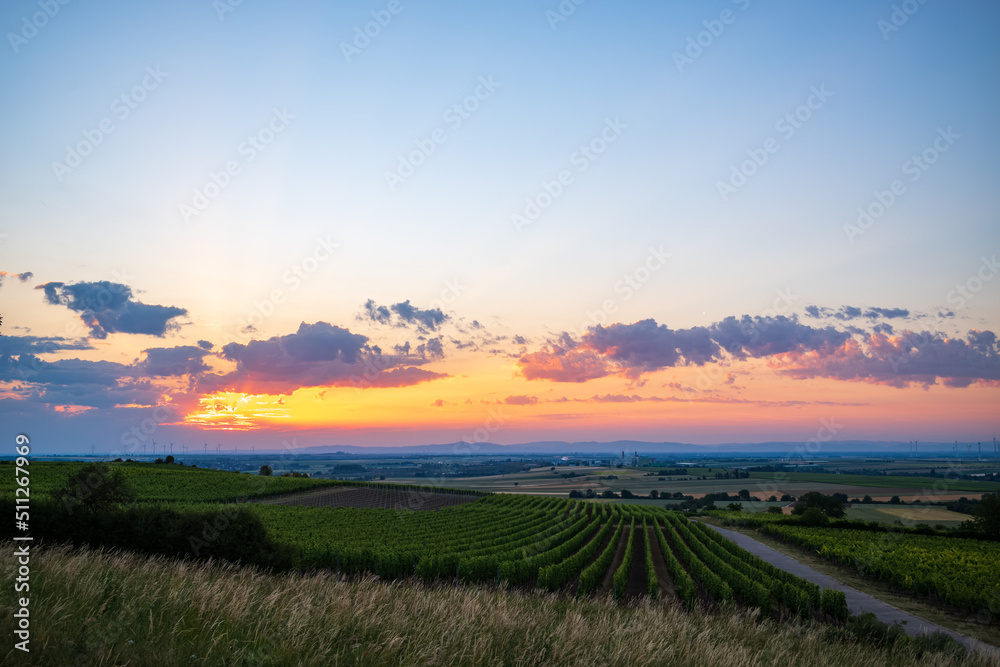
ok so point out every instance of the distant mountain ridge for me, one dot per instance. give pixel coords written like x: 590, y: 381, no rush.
x: 561, y: 448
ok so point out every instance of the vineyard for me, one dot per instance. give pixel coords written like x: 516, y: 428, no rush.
x: 958, y: 572
x: 555, y: 545
x: 376, y: 496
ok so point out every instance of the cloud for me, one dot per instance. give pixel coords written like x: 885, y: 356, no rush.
x: 23, y: 277
x: 16, y: 345
x: 107, y: 307
x: 791, y: 348
x: 521, y: 400
x: 564, y: 361
x: 317, y: 355
x: 172, y: 361
x: 901, y: 360
x: 404, y: 314
x: 846, y: 313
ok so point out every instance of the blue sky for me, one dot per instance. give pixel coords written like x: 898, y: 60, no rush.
x: 224, y: 76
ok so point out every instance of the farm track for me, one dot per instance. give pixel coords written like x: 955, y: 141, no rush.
x: 600, y: 550
x: 371, y: 497
x: 636, y: 585
x: 857, y: 602
x: 607, y: 584
x: 662, y: 574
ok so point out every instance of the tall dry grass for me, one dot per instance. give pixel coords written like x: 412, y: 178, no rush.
x: 95, y: 607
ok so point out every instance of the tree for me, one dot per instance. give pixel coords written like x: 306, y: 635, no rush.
x: 169, y: 459
x: 734, y: 507
x: 627, y: 494
x: 829, y: 505
x: 814, y: 516
x: 988, y: 514
x: 608, y: 493
x: 867, y: 500
x: 744, y: 494
x: 895, y: 500
x: 774, y: 509
x: 517, y: 483
x: 96, y: 487
x: 654, y: 494
x: 266, y: 470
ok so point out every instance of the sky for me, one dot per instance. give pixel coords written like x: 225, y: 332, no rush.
x: 262, y: 224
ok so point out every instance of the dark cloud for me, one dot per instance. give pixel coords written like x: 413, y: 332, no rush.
x: 172, y: 361
x: 886, y: 313
x: 16, y: 345
x: 793, y: 348
x: 205, y: 345
x: 908, y: 358
x: 846, y: 313
x: 404, y: 314
x: 766, y: 336
x: 645, y: 346
x: 317, y: 355
x: 107, y: 307
x: 64, y: 372
x: 377, y: 313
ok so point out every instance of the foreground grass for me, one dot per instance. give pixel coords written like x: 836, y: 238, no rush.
x: 110, y: 608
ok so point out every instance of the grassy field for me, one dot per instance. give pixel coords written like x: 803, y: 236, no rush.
x: 164, y: 482
x: 544, y: 481
x: 909, y: 514
x: 109, y: 608
x: 884, y: 481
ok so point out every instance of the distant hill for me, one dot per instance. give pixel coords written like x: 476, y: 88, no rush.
x: 560, y: 448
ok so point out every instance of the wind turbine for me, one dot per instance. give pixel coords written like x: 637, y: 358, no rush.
x: 206, y: 449
x: 171, y: 449
x: 154, y: 447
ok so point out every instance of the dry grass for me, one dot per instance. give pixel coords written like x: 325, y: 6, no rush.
x: 109, y: 608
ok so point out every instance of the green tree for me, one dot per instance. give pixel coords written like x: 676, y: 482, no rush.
x: 829, y: 505
x: 266, y: 470
x: 988, y: 514
x: 169, y: 459
x: 97, y: 488
x: 744, y: 494
x: 734, y: 507
x: 895, y: 500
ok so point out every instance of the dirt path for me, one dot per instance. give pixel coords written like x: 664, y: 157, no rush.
x: 636, y: 582
x: 662, y: 574
x: 857, y: 602
x: 604, y: 543
x: 607, y: 582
